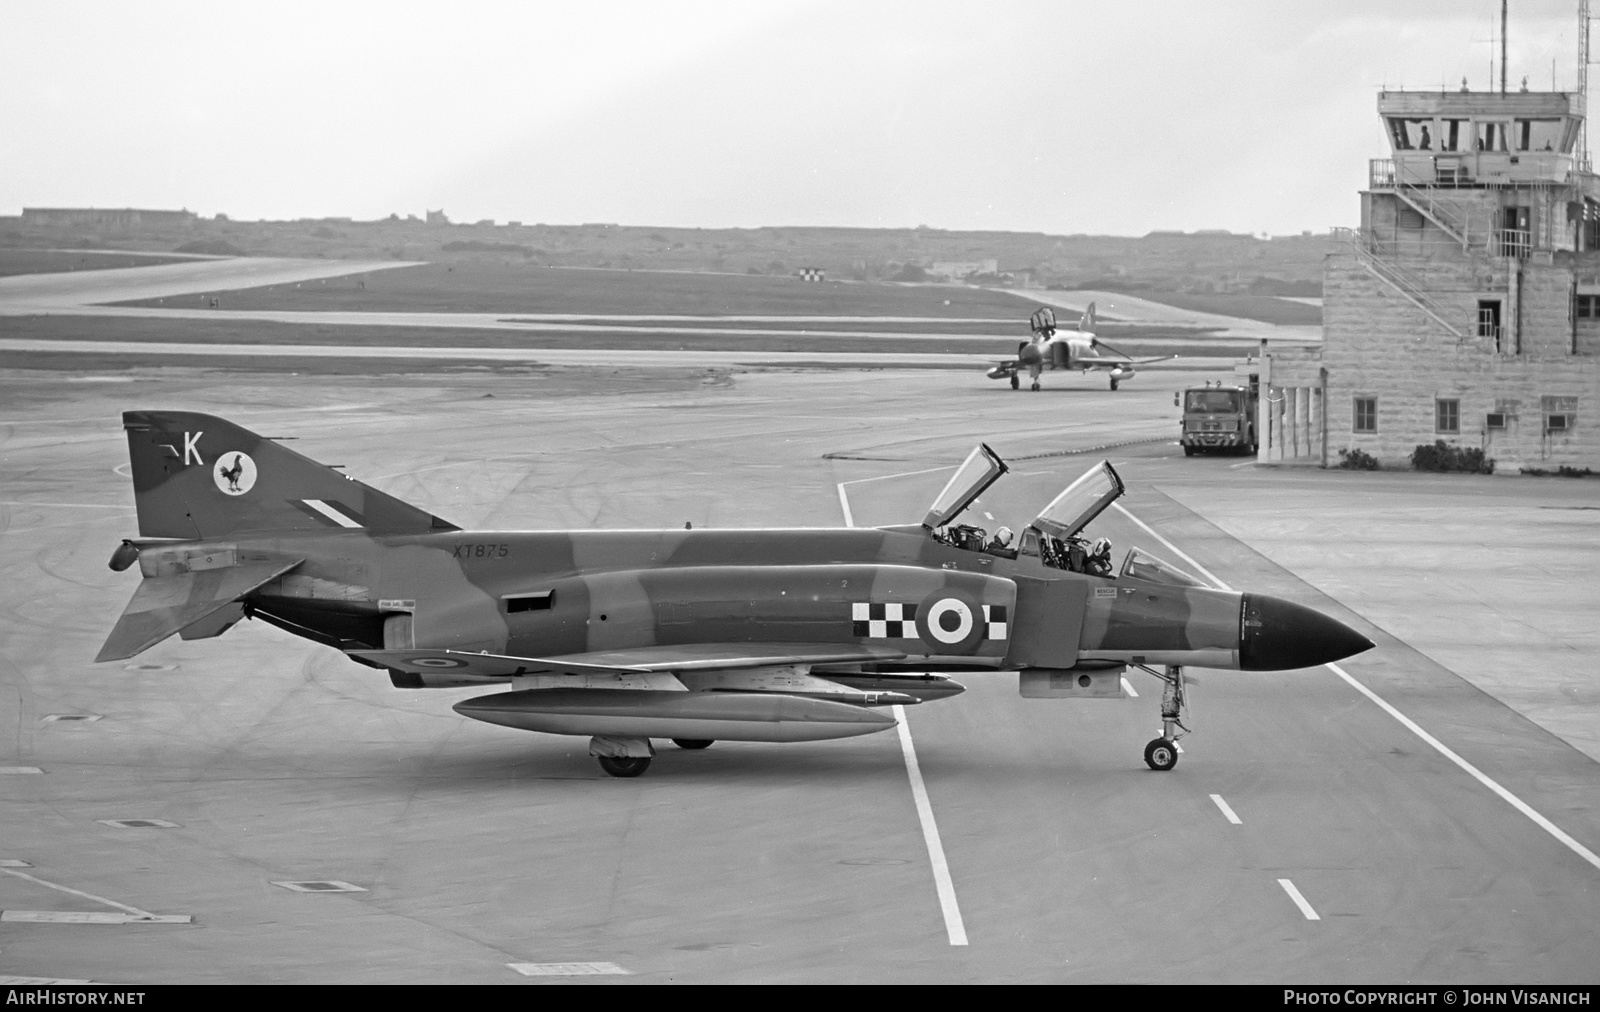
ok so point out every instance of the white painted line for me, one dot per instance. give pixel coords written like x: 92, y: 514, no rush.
x: 19, y: 771
x: 70, y: 718
x: 1415, y: 728
x: 901, y: 474
x: 141, y: 914
x: 566, y: 969
x: 1203, y: 571
x: 1299, y: 901
x: 138, y: 823
x: 953, y: 926
x: 1473, y: 771
x: 68, y: 505
x: 11, y: 862
x: 89, y: 917
x: 1127, y: 687
x: 1227, y: 812
x: 42, y: 980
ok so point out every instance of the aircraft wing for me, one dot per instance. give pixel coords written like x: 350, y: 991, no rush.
x: 1116, y: 360
x: 630, y: 661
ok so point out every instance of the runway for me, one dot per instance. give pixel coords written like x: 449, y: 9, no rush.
x: 477, y: 847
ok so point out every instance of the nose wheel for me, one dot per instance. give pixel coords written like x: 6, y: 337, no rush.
x: 1162, y: 753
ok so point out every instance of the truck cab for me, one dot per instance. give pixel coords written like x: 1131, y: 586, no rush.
x: 1218, y: 417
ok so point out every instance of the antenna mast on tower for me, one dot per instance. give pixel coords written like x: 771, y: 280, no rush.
x: 1583, y: 85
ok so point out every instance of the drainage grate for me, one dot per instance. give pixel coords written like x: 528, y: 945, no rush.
x: 322, y: 886
x: 565, y: 969
x: 138, y: 823
x: 63, y: 718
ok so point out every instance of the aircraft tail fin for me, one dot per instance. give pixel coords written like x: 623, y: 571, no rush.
x: 1086, y: 321
x: 200, y: 476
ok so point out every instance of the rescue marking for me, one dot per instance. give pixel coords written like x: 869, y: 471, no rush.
x: 953, y: 925
x: 1227, y: 812
x: 1299, y: 901
x: 1412, y: 726
x: 331, y: 513
x: 566, y: 969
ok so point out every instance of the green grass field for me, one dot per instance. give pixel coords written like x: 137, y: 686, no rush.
x: 46, y: 261
x: 1265, y: 308
x: 496, y: 287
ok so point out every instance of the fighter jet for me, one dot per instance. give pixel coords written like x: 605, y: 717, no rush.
x: 1079, y: 349
x: 624, y: 636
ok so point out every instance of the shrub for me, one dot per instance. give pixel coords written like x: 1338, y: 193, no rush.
x: 1441, y: 456
x: 1357, y: 460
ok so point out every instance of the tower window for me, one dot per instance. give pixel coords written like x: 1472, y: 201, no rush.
x: 1365, y: 415
x: 1489, y: 320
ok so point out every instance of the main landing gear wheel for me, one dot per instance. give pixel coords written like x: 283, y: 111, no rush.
x: 1015, y: 383
x: 619, y: 766
x: 1161, y: 754
x: 1035, y: 384
x: 1188, y: 451
x: 1113, y: 384
x: 693, y: 744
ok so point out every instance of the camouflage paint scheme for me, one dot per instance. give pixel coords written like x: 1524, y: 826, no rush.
x: 234, y: 525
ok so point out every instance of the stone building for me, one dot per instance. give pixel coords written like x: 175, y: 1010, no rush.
x: 1467, y: 305
x: 115, y: 216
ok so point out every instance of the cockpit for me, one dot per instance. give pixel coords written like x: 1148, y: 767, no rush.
x: 1055, y: 536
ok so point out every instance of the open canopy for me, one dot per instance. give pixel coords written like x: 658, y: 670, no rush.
x: 1082, y: 501
x: 983, y: 467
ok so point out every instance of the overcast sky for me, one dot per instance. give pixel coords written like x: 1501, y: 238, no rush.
x: 1103, y: 117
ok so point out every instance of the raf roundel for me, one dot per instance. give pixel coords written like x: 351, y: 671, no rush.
x: 234, y: 472
x: 950, y: 623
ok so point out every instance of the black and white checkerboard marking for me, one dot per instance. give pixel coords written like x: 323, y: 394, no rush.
x: 994, y: 618
x: 888, y: 620
x: 884, y: 621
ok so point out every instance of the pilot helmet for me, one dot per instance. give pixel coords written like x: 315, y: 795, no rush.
x: 1102, y: 548
x: 1003, y: 535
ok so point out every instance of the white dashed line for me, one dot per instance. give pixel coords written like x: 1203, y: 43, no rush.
x: 1299, y: 901
x: 566, y: 969
x: 1227, y: 812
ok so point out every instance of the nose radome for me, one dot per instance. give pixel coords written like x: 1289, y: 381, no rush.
x: 1276, y: 635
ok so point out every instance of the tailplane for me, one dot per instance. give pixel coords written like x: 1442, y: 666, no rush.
x: 200, y: 476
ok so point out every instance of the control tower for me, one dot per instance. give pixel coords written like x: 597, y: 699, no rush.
x: 1467, y: 305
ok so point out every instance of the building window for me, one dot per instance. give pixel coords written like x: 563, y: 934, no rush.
x: 1365, y: 415
x: 1589, y: 307
x: 1447, y: 415
x: 1489, y: 320
x: 1409, y: 219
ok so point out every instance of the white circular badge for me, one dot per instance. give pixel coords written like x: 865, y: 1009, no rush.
x: 949, y: 620
x: 234, y: 473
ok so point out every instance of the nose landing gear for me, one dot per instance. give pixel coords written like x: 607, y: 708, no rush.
x: 1162, y: 753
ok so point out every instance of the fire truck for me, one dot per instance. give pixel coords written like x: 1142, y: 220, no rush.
x: 1219, y: 418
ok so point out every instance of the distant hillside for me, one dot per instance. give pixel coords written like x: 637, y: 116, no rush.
x: 1207, y: 262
